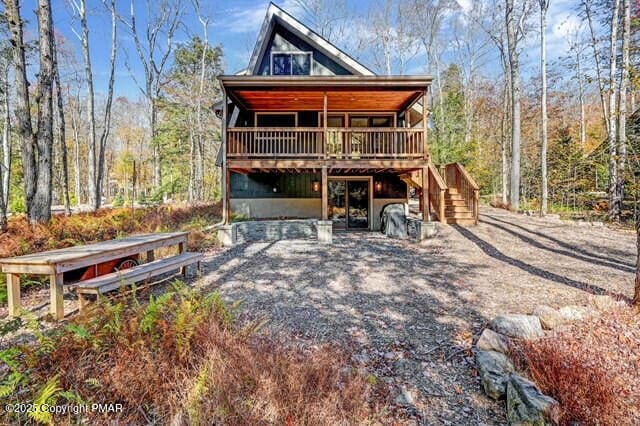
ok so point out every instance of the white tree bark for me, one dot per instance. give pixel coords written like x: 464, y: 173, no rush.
x: 622, y: 103
x: 514, y: 66
x: 6, y: 141
x: 596, y: 55
x: 544, y: 6
x: 614, y: 201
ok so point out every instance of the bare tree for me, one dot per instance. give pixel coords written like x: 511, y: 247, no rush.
x: 36, y: 146
x: 622, y: 104
x: 5, y: 161
x: 162, y: 20
x: 62, y: 141
x: 596, y: 55
x: 636, y: 296
x: 328, y: 17
x: 514, y: 20
x: 614, y: 201
x: 544, y: 6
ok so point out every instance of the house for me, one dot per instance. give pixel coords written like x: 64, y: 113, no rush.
x: 309, y: 132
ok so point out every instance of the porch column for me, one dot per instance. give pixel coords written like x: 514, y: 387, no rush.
x: 227, y: 196
x: 426, y: 210
x: 325, y: 136
x: 224, y: 181
x: 425, y: 153
x: 325, y: 194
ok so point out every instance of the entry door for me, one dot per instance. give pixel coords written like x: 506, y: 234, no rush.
x: 349, y: 204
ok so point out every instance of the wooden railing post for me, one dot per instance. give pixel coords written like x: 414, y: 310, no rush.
x: 325, y: 139
x: 426, y: 211
x: 325, y: 194
x: 443, y: 218
x: 425, y: 149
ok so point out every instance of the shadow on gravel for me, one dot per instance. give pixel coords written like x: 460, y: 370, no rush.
x: 493, y: 252
x: 405, y: 310
x: 583, y: 255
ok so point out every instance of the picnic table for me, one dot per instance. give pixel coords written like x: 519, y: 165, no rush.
x: 55, y: 263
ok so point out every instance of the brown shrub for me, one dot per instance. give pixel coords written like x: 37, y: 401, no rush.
x: 182, y: 359
x: 592, y: 369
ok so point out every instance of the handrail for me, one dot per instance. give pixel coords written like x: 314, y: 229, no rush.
x: 437, y: 190
x: 457, y: 176
x: 351, y: 143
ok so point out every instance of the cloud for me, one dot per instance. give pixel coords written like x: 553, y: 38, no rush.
x: 238, y: 20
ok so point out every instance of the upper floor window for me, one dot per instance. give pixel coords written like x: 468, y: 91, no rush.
x: 291, y: 63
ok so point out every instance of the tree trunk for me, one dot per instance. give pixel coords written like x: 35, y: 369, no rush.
x: 622, y: 105
x: 23, y: 106
x: 636, y: 296
x: 76, y: 137
x: 614, y: 202
x: 5, y: 167
x: 544, y: 5
x: 107, y: 111
x: 61, y: 134
x: 157, y: 155
x: 583, y: 121
x: 514, y: 66
x: 596, y: 55
x: 94, y: 196
x: 40, y: 210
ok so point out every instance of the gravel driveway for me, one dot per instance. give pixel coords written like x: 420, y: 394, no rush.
x: 409, y: 312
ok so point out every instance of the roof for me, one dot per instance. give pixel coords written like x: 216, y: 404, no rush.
x: 277, y: 15
x: 351, y: 81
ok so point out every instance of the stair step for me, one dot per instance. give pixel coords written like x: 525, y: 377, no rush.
x: 452, y: 190
x: 456, y: 209
x: 455, y: 202
x: 461, y: 221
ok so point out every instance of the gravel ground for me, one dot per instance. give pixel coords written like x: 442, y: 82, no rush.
x: 409, y: 312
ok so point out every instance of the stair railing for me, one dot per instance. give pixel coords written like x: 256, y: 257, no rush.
x: 437, y: 190
x: 456, y: 176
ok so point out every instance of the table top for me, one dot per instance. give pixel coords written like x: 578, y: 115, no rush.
x: 71, y: 254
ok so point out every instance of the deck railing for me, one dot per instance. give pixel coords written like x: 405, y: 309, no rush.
x: 339, y: 143
x: 437, y: 189
x: 456, y: 176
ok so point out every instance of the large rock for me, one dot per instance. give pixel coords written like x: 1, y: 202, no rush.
x: 574, y: 313
x: 527, y: 405
x: 518, y: 326
x: 603, y: 302
x: 549, y: 318
x: 494, y: 368
x: 491, y: 341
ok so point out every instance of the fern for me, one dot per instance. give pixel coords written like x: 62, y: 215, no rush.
x: 197, y: 393
x: 10, y: 358
x: 48, y: 395
x: 81, y: 332
x: 154, y: 309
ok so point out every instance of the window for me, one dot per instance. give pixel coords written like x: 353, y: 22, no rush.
x: 291, y: 63
x: 276, y: 119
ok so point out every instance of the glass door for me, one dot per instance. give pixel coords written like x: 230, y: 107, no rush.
x: 349, y: 203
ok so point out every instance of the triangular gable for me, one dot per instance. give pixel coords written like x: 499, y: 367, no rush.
x: 277, y: 16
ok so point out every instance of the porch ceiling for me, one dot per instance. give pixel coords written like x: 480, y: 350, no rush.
x: 344, y: 93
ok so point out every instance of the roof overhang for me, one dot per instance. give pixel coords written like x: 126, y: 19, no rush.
x: 344, y: 93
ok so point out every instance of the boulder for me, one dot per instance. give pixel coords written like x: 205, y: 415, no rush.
x: 518, y: 326
x: 494, y: 368
x: 549, y: 318
x: 527, y: 405
x: 603, y: 302
x: 491, y: 341
x: 574, y: 313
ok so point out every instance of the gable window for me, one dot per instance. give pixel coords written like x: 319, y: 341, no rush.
x: 291, y: 63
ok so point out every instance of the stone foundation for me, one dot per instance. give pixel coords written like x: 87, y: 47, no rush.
x: 273, y: 230
x: 419, y: 230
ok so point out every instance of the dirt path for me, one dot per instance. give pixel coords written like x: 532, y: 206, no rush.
x: 408, y: 311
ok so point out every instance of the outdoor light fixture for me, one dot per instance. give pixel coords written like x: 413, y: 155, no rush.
x: 378, y: 186
x: 315, y: 185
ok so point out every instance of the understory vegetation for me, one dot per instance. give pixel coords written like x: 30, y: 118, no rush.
x: 84, y: 228
x: 181, y: 358
x: 592, y: 369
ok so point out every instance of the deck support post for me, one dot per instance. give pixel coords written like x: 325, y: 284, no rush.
x: 425, y: 148
x: 227, y: 196
x: 325, y: 194
x: 224, y: 184
x: 325, y: 119
x: 57, y: 302
x: 426, y: 211
x: 13, y: 293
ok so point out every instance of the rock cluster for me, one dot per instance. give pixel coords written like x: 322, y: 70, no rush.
x: 525, y: 402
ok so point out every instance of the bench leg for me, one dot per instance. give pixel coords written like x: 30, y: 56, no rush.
x: 13, y: 294
x: 57, y: 301
x: 82, y: 301
x: 183, y: 271
x: 151, y: 256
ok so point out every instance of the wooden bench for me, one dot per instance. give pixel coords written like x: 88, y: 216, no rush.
x: 113, y: 281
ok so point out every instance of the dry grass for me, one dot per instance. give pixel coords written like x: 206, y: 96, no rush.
x: 592, y: 369
x: 182, y: 359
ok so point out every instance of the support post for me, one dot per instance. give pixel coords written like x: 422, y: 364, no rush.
x: 325, y: 137
x: 227, y: 196
x: 325, y: 194
x: 13, y: 293
x: 425, y: 148
x: 225, y: 166
x: 151, y: 256
x: 426, y: 211
x: 443, y: 218
x: 57, y: 302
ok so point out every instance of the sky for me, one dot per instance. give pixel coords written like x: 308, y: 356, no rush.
x: 235, y: 25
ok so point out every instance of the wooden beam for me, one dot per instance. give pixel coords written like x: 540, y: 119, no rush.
x: 424, y: 125
x: 325, y: 120
x: 325, y: 194
x: 225, y: 163
x: 227, y: 195
x: 407, y: 164
x: 426, y: 210
x: 57, y: 301
x: 13, y: 294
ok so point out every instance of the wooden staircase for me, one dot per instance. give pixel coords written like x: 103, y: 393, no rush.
x: 453, y: 196
x: 457, y: 212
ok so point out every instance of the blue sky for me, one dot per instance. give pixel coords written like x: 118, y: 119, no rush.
x: 235, y: 26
